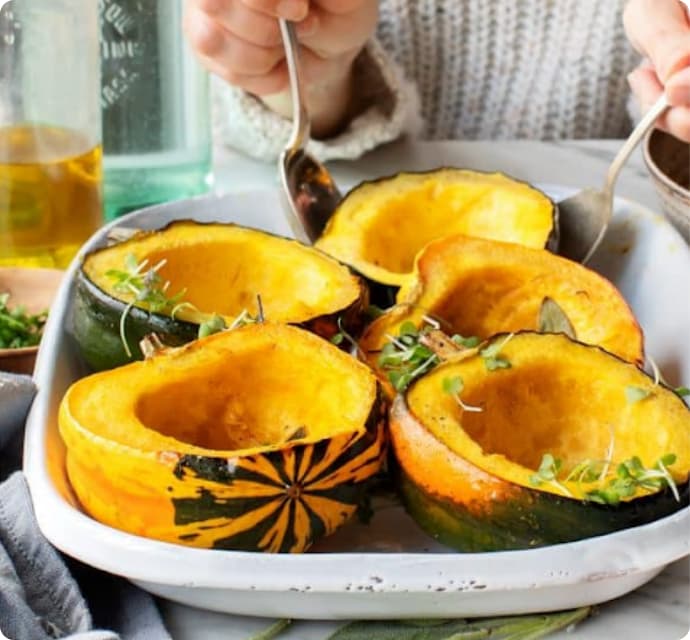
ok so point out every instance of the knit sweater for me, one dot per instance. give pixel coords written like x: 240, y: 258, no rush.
x: 468, y: 69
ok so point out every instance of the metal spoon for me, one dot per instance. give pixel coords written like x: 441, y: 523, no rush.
x: 584, y: 217
x: 309, y: 192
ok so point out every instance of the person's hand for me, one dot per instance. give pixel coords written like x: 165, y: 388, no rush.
x: 239, y: 40
x: 660, y: 31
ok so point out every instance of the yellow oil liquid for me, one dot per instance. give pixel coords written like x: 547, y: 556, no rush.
x: 50, y: 195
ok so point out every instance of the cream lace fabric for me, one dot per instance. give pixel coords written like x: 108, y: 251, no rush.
x: 468, y: 69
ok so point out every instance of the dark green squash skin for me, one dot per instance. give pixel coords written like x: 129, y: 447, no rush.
x: 96, y: 320
x: 530, y: 519
x: 370, y: 446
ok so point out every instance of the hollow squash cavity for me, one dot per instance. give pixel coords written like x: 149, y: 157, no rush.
x: 478, y: 287
x: 558, y: 397
x: 381, y: 226
x: 226, y: 395
x: 223, y: 268
x: 262, y: 438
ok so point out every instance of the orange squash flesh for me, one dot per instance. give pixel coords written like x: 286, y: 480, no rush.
x: 238, y: 263
x: 381, y: 225
x: 466, y: 476
x: 480, y: 288
x: 214, y: 445
x: 213, y: 269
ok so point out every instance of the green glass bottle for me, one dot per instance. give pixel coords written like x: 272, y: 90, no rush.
x: 155, y: 105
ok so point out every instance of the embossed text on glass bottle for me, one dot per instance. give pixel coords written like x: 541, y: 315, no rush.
x: 155, y: 103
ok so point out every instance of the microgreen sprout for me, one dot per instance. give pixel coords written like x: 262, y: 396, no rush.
x: 548, y: 471
x: 655, y: 371
x: 417, y: 350
x: 343, y: 335
x: 453, y: 387
x: 680, y: 391
x: 146, y: 287
x: 404, y: 357
x: 244, y: 318
x: 17, y: 328
x: 630, y: 475
x: 214, y: 324
x: 493, y: 359
x: 468, y: 343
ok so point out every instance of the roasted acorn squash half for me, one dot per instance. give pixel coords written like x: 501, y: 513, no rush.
x: 261, y: 438
x: 564, y: 442
x: 381, y: 225
x: 197, y: 273
x: 477, y: 287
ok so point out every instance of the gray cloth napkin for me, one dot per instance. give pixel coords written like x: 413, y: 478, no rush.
x: 44, y: 595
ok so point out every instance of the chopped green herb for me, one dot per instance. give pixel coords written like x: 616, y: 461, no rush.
x: 682, y: 391
x: 17, y: 328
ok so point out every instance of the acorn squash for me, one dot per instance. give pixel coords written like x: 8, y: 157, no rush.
x: 381, y: 225
x: 479, y: 288
x: 205, y: 271
x: 261, y: 438
x: 563, y: 442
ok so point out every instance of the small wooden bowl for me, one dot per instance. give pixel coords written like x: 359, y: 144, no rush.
x: 668, y: 162
x: 34, y: 289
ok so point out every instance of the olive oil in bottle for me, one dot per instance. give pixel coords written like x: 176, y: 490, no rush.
x: 50, y: 194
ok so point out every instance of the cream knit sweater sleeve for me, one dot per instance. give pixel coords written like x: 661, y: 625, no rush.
x: 449, y: 69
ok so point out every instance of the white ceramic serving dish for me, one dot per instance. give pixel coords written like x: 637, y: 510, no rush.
x: 389, y: 568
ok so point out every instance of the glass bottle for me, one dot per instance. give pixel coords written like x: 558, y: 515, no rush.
x: 50, y: 130
x: 155, y: 104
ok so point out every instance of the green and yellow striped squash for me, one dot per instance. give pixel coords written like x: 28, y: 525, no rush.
x: 219, y: 269
x: 467, y: 475
x: 261, y: 438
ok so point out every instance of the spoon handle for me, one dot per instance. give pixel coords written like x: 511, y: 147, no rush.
x: 646, y: 123
x: 300, y: 116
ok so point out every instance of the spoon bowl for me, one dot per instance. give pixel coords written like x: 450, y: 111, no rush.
x: 310, y: 194
x: 584, y: 217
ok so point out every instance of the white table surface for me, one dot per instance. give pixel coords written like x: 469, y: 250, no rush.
x: 659, y: 610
